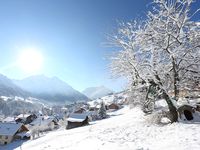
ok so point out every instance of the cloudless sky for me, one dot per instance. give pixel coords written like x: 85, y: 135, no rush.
x: 68, y: 33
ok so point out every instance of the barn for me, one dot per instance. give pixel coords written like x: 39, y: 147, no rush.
x: 77, y: 120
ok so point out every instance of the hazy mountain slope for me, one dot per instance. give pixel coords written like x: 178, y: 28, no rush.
x: 14, y: 106
x: 97, y: 92
x: 50, y: 89
x: 8, y: 88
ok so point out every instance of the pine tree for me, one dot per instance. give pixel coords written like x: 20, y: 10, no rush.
x: 102, y: 111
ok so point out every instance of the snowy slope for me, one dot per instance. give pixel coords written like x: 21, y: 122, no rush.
x: 16, y: 105
x: 117, y: 98
x: 97, y: 92
x: 125, y: 130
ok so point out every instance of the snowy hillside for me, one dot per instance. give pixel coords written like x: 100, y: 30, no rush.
x: 97, y: 92
x: 50, y: 89
x: 8, y: 88
x: 127, y: 129
x: 10, y: 106
x: 118, y: 98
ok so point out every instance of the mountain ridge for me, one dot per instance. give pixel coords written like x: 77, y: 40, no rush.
x: 97, y: 92
x: 51, y: 89
x: 8, y: 88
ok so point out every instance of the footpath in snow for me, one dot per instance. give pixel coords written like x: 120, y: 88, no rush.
x: 126, y: 129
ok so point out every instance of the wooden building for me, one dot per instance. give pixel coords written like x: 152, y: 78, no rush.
x: 25, y: 118
x: 113, y: 106
x: 77, y: 120
x: 12, y: 131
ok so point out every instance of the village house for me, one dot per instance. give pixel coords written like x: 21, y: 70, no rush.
x: 77, y: 120
x: 80, y: 110
x: 12, y: 131
x: 44, y: 123
x: 25, y: 118
x: 113, y: 106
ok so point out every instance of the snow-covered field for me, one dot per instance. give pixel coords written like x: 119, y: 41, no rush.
x: 126, y: 129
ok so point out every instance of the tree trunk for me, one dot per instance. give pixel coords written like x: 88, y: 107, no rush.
x: 176, y: 89
x: 176, y: 80
x: 172, y: 108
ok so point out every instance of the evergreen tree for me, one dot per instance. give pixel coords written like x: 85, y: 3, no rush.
x: 102, y: 111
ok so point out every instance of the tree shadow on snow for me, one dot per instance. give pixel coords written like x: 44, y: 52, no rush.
x: 113, y: 115
x: 189, y: 122
x: 13, y: 145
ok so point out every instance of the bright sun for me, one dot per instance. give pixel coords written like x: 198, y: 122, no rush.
x: 30, y: 60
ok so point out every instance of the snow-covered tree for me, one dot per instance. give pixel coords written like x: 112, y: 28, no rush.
x: 161, y: 52
x: 102, y: 111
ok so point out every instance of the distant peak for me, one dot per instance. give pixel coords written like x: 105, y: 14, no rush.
x: 96, y: 92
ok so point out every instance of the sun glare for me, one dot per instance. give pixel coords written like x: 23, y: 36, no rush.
x: 30, y: 60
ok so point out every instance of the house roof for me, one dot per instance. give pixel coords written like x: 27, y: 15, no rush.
x: 9, y: 119
x: 9, y: 128
x: 42, y: 121
x: 23, y: 115
x: 77, y: 117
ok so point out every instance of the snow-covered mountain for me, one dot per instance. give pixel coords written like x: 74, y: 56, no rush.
x: 52, y: 89
x: 117, y: 98
x: 97, y: 92
x: 8, y: 88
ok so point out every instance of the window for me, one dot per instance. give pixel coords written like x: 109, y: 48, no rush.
x: 0, y: 136
x: 6, y: 137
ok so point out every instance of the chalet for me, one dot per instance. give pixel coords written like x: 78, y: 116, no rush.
x: 80, y: 111
x: 25, y: 118
x: 113, y: 106
x: 77, y: 120
x: 44, y: 123
x: 12, y: 131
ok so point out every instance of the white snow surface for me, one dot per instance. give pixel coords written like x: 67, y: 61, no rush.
x: 126, y: 129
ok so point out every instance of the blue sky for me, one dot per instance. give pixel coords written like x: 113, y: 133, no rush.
x: 68, y: 33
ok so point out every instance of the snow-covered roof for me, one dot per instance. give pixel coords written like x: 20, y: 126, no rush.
x: 64, y: 108
x: 9, y: 128
x: 23, y: 134
x: 23, y: 115
x: 42, y: 121
x: 77, y: 117
x: 5, y: 98
x: 9, y: 119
